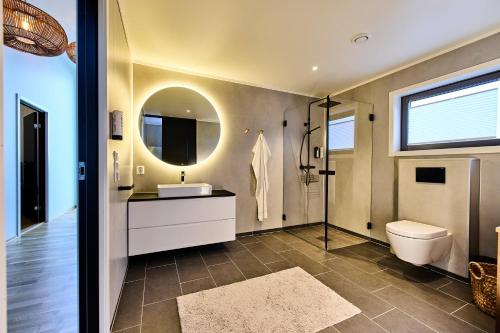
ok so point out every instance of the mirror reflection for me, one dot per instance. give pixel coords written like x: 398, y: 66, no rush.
x: 179, y: 126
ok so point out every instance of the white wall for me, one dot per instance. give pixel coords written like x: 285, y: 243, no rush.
x: 49, y: 83
x: 119, y: 97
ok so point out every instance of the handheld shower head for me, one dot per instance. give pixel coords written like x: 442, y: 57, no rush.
x: 306, y: 168
x: 312, y: 130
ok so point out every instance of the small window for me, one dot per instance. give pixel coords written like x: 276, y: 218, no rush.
x: 462, y: 114
x: 341, y: 133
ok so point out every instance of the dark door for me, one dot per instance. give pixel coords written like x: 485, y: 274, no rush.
x: 179, y: 141
x: 32, y: 167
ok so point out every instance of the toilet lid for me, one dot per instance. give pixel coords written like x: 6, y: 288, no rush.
x: 415, y: 230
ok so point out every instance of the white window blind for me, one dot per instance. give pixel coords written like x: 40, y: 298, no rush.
x: 341, y: 133
x: 468, y: 114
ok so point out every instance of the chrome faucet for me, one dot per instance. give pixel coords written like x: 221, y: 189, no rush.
x: 183, y: 174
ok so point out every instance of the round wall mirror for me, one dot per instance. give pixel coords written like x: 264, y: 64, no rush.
x: 179, y: 126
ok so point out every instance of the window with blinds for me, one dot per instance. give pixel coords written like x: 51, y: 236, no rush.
x: 462, y: 114
x: 341, y: 133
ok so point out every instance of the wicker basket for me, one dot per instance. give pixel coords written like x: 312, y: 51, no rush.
x: 484, y: 286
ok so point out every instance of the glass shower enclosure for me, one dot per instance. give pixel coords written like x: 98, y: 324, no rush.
x: 336, y: 214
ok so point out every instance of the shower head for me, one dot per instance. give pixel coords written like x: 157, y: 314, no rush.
x: 331, y: 104
x: 312, y: 130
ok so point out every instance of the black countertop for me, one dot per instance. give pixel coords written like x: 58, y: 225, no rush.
x: 149, y: 196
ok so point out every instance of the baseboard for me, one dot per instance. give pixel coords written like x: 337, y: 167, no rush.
x: 368, y: 238
x: 446, y: 273
x: 486, y: 259
x: 266, y: 231
x: 59, y: 215
x: 30, y: 228
x: 298, y: 226
x: 120, y: 296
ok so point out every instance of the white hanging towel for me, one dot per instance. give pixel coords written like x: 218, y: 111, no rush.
x: 261, y: 157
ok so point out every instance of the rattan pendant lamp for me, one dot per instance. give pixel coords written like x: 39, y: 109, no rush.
x: 30, y: 29
x: 71, y: 51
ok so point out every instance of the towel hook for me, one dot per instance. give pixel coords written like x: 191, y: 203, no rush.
x: 247, y: 130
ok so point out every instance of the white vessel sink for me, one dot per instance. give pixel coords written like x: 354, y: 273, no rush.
x: 184, y: 190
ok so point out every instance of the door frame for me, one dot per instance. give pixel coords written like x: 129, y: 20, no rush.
x: 3, y: 264
x: 88, y: 137
x: 39, y: 108
x: 88, y: 64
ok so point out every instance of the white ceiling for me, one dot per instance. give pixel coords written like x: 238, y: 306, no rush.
x: 275, y: 43
x: 64, y: 11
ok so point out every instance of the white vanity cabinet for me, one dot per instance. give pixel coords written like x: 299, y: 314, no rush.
x: 160, y: 224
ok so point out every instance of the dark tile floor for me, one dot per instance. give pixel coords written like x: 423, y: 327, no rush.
x: 394, y: 296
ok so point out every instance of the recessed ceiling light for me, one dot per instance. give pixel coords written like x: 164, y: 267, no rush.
x: 360, y: 38
x: 188, y: 111
x: 315, y: 68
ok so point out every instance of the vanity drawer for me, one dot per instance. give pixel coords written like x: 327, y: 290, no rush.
x: 155, y: 213
x: 156, y: 239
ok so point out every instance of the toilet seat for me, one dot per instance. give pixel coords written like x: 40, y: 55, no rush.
x: 418, y: 243
x: 415, y: 230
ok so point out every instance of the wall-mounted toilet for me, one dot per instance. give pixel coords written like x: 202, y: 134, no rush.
x: 418, y: 243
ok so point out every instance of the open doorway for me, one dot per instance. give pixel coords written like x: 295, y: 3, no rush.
x: 52, y: 272
x: 32, y: 165
x: 41, y: 116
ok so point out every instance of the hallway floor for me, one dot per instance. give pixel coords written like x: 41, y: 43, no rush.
x: 42, y: 282
x: 394, y: 296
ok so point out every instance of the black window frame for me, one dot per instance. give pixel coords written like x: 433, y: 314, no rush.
x: 447, y: 88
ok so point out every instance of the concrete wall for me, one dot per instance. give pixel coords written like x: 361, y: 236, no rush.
x: 384, y: 174
x: 239, y: 107
x: 119, y: 93
x: 453, y: 205
x: 50, y: 84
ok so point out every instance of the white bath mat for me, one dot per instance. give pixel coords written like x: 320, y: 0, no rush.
x: 288, y: 301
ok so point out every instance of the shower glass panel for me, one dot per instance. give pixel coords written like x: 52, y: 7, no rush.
x: 349, y: 176
x: 349, y: 189
x: 303, y: 202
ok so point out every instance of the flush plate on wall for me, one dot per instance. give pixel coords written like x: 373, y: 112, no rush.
x: 430, y: 175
